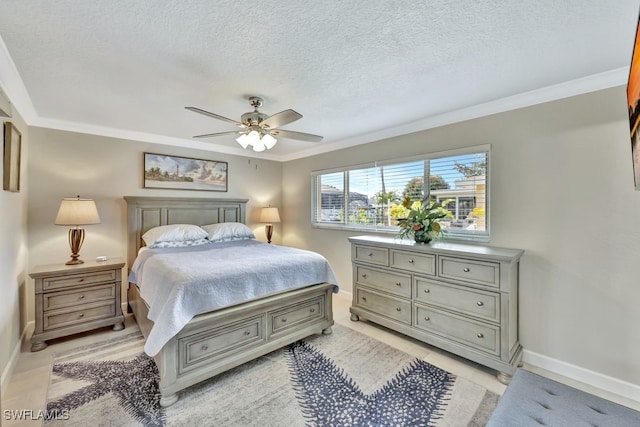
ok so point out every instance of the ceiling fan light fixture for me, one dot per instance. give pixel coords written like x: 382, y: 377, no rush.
x: 259, y: 146
x: 243, y: 140
x: 253, y: 137
x: 269, y: 141
x: 259, y: 130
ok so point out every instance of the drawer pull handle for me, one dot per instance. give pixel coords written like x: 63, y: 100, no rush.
x: 204, y: 347
x: 364, y: 299
x: 411, y: 261
x: 313, y: 310
x: 398, y: 284
x: 370, y: 254
x: 480, y: 335
x: 480, y: 303
x: 81, y: 315
x: 364, y: 275
x: 81, y: 280
x: 398, y: 309
x: 466, y: 269
x: 284, y: 319
x: 247, y: 332
x: 81, y: 297
x: 426, y: 291
x: 427, y: 318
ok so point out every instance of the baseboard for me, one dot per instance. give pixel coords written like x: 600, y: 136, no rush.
x: 591, y: 378
x: 345, y: 295
x: 13, y: 360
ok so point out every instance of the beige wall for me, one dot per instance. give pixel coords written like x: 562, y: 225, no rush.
x: 562, y: 190
x: 13, y: 259
x: 65, y: 164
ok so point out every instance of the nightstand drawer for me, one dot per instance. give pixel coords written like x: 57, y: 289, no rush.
x: 394, y: 308
x: 83, y: 314
x: 371, y: 255
x: 478, y: 272
x: 55, y: 300
x: 418, y: 263
x: 398, y: 284
x: 474, y: 302
x: 57, y: 282
x: 465, y: 331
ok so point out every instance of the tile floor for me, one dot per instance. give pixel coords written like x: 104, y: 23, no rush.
x: 28, y: 384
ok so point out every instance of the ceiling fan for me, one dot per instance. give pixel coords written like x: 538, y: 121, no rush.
x: 257, y: 129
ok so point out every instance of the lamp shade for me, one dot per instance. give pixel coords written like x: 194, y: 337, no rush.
x: 77, y: 211
x: 269, y: 215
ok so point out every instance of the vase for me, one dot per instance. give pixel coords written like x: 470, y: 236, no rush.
x: 421, y: 238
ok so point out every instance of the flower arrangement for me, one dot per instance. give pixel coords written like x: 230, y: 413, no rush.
x: 422, y: 221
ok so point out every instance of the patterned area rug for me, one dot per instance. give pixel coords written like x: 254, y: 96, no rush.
x: 342, y: 379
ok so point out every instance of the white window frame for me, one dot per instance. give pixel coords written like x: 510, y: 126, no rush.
x: 450, y: 234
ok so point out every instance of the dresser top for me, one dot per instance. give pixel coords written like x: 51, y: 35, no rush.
x: 86, y: 267
x: 441, y: 247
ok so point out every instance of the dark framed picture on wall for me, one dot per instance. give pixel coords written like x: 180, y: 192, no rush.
x: 633, y: 98
x: 184, y: 173
x: 12, y: 147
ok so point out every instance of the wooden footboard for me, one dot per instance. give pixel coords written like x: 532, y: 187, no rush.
x: 215, y: 342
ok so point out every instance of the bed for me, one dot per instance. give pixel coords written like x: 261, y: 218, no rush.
x: 216, y: 341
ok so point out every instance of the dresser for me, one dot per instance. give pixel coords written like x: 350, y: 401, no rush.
x: 76, y: 298
x: 462, y: 298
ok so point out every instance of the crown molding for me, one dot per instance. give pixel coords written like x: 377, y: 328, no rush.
x: 595, y: 82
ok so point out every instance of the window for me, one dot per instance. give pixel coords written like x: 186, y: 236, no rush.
x: 370, y: 197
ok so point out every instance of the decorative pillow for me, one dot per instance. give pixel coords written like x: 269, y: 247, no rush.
x: 226, y: 231
x: 173, y: 233
x: 178, y: 244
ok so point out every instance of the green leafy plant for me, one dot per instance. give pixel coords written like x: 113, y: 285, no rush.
x: 422, y: 220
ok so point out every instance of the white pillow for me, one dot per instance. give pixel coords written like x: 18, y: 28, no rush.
x: 226, y: 231
x: 179, y: 244
x: 173, y: 233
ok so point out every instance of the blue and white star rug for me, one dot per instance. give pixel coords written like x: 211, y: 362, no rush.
x: 342, y: 379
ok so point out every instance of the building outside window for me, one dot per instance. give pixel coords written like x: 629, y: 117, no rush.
x: 370, y: 197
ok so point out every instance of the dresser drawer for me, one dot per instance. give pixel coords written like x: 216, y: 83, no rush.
x: 385, y: 305
x: 55, y: 300
x: 473, y: 302
x: 297, y: 315
x: 57, y: 282
x: 478, y: 272
x: 79, y: 315
x: 395, y: 283
x: 464, y: 331
x: 415, y: 262
x: 371, y: 255
x: 209, y: 346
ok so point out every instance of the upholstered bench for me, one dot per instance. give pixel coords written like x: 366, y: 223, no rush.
x: 532, y: 400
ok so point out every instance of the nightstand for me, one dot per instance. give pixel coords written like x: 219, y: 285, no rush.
x: 76, y: 298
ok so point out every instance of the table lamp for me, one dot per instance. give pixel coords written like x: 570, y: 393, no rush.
x: 76, y: 212
x: 269, y: 215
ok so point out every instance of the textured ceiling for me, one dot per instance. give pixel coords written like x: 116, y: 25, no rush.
x: 356, y: 70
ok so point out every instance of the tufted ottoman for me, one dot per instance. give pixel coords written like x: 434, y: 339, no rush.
x: 532, y: 400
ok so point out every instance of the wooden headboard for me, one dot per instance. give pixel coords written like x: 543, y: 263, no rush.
x: 144, y: 213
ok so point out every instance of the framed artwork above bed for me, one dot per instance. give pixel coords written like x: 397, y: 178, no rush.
x: 184, y: 173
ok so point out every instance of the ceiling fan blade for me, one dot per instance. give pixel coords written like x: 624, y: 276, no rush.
x: 215, y: 116
x: 296, y: 135
x: 280, y: 119
x: 208, y: 135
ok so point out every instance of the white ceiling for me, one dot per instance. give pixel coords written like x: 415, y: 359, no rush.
x: 356, y: 70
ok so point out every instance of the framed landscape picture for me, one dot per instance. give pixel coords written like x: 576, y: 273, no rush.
x: 184, y: 173
x: 12, y: 146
